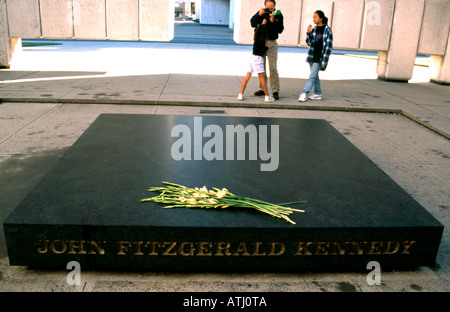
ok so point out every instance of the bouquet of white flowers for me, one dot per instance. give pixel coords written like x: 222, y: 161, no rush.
x: 179, y: 196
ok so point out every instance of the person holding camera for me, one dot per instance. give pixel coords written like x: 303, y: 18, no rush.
x: 275, y: 26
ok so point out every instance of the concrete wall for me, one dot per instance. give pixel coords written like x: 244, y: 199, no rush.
x: 56, y: 18
x: 398, y: 29
x: 440, y: 66
x: 90, y: 19
x: 122, y: 19
x: 244, y: 10
x: 23, y: 18
x: 377, y: 25
x: 215, y: 12
x: 156, y: 20
x: 435, y: 26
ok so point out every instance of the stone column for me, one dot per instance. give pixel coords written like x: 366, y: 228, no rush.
x: 397, y: 63
x: 440, y: 67
x: 56, y: 18
x: 5, y: 41
x: 156, y: 19
x: 435, y: 39
x: 243, y: 32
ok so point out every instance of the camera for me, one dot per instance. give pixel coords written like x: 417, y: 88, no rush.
x: 268, y: 11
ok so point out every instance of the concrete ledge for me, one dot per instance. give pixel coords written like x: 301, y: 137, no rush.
x: 444, y: 83
x: 235, y: 105
x: 424, y: 103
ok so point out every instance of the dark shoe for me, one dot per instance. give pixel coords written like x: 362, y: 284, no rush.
x: 259, y: 92
x: 276, y: 96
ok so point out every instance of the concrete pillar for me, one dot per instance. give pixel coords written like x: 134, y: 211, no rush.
x: 377, y: 23
x: 5, y: 42
x: 56, y: 18
x: 245, y: 9
x: 347, y: 34
x: 308, y: 9
x: 440, y: 67
x: 24, y: 18
x: 291, y: 12
x: 434, y: 39
x: 156, y: 19
x: 89, y: 19
x: 122, y: 19
x: 397, y: 64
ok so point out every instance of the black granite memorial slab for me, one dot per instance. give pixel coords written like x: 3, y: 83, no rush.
x: 87, y: 208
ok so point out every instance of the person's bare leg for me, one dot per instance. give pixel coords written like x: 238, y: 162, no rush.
x: 263, y: 84
x: 244, y: 82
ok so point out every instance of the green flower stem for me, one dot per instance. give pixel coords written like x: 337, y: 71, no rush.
x: 179, y: 196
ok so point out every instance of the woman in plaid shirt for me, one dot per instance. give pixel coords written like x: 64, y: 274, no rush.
x: 320, y: 42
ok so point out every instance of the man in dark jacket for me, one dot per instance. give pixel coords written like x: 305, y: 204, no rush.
x: 275, y: 27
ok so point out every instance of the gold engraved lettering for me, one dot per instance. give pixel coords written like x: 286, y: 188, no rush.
x: 138, y: 246
x: 185, y: 248
x: 168, y: 250
x: 322, y: 248
x: 357, y: 248
x: 58, y: 246
x: 76, y: 245
x: 183, y: 252
x: 222, y: 250
x: 204, y: 249
x: 44, y: 246
x: 123, y: 247
x: 302, y: 249
x: 241, y: 250
x: 256, y: 252
x: 273, y: 247
x: 375, y: 248
x: 388, y: 250
x: 406, y: 246
x: 352, y: 248
x: 153, y: 246
x: 337, y: 250
x: 98, y: 250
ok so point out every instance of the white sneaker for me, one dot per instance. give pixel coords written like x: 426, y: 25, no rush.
x: 302, y: 97
x: 240, y: 97
x: 269, y: 98
x: 315, y: 97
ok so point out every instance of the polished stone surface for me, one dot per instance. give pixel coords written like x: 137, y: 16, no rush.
x: 355, y: 213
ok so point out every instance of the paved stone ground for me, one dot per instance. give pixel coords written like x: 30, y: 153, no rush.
x: 402, y: 127
x: 35, y: 135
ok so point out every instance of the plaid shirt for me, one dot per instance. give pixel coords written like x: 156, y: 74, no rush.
x: 327, y: 46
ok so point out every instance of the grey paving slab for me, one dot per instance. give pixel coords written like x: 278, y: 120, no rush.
x: 48, y: 86
x: 205, y: 110
x: 424, y: 103
x: 14, y: 74
x: 11, y: 121
x: 202, y: 85
x: 36, y: 134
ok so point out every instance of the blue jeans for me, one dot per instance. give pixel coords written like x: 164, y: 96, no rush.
x: 313, y: 80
